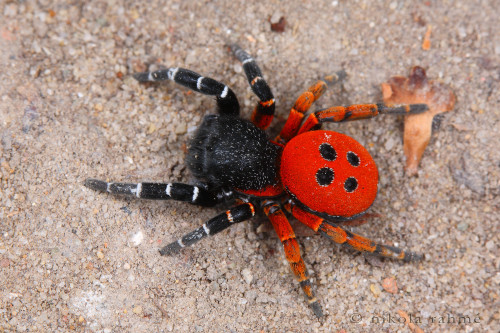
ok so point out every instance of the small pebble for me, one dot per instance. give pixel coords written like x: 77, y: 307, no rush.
x: 136, y: 239
x: 100, y: 255
x: 389, y: 144
x: 137, y: 309
x: 375, y: 290
x: 247, y: 275
x: 497, y: 49
x: 10, y: 10
x: 181, y: 128
x: 462, y: 226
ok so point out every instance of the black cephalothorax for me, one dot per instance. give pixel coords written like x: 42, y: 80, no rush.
x: 231, y: 152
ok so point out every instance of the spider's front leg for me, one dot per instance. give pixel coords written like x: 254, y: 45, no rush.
x: 301, y: 106
x: 292, y: 251
x: 263, y: 113
x: 215, y: 225
x: 227, y: 102
x: 355, y: 112
x: 159, y: 191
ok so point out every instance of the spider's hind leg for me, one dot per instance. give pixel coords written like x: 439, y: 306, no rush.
x: 158, y: 191
x: 292, y: 252
x: 345, y: 237
x: 215, y: 225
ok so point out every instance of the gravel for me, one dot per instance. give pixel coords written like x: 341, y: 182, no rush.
x: 75, y: 260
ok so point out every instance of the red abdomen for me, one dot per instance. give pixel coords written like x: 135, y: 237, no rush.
x: 330, y: 174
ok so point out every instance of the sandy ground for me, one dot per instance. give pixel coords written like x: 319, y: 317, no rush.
x: 72, y: 259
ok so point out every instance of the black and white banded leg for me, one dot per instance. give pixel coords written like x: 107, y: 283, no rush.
x: 215, y: 225
x: 264, y: 112
x: 226, y: 99
x: 159, y: 191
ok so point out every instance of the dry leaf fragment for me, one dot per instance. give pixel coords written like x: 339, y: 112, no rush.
x: 279, y: 26
x: 390, y: 285
x: 415, y: 89
x: 426, y: 44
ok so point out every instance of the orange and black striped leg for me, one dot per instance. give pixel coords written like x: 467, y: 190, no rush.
x: 341, y: 236
x: 302, y: 104
x: 222, y: 221
x: 292, y: 251
x: 161, y: 191
x: 227, y: 102
x: 263, y: 113
x: 355, y: 112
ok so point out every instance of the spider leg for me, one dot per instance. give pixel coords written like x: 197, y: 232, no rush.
x: 341, y: 236
x: 227, y: 102
x: 158, y: 191
x: 292, y: 251
x: 355, y: 112
x: 302, y: 104
x: 215, y: 225
x: 263, y: 113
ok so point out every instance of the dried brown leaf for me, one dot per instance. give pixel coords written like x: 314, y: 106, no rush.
x: 415, y: 89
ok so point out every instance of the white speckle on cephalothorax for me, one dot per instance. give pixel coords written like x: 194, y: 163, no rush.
x: 136, y: 239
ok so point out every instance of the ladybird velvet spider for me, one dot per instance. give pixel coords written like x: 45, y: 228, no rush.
x: 322, y: 178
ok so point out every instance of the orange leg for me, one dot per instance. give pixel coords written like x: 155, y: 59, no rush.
x: 341, y: 236
x: 355, y: 112
x: 292, y: 251
x: 300, y: 107
x: 263, y: 114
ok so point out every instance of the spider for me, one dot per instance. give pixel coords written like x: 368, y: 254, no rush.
x: 322, y: 178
